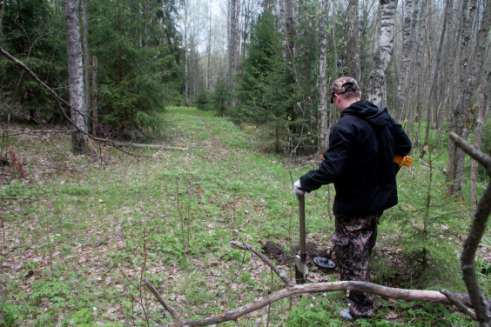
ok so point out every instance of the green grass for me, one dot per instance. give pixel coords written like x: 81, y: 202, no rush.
x: 77, y: 243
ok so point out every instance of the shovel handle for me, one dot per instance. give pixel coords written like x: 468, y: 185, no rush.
x: 301, y: 216
x: 300, y: 264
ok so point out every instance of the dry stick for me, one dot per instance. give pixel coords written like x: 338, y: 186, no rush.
x: 265, y: 259
x: 475, y: 235
x: 389, y: 292
x: 65, y: 103
x: 155, y: 293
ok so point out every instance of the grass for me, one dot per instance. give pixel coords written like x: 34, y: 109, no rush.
x: 78, y: 242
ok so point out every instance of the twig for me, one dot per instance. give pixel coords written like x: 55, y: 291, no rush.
x: 265, y: 259
x: 472, y: 151
x: 155, y: 293
x: 459, y: 304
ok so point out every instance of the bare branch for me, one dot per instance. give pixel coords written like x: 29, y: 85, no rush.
x: 155, y: 293
x: 472, y: 151
x: 265, y: 259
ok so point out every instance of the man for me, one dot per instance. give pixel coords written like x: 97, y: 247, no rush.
x: 360, y: 161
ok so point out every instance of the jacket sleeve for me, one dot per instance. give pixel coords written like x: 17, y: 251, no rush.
x: 401, y: 140
x: 334, y: 162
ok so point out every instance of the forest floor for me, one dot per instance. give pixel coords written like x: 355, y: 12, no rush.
x: 79, y: 234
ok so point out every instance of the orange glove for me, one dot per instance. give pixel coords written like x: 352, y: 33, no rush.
x: 405, y: 161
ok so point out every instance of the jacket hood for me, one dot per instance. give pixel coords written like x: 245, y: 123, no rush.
x: 369, y: 112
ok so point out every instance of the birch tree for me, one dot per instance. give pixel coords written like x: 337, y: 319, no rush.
x: 76, y: 77
x: 323, y: 114
x: 385, y: 43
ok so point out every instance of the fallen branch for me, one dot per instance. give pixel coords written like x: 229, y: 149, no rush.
x: 265, y: 259
x: 388, y: 292
x: 155, y: 293
x: 148, y: 146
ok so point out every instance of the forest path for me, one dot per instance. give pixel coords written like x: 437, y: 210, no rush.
x: 78, y: 239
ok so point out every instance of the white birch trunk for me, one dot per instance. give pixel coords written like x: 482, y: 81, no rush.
x: 383, y: 54
x: 76, y: 77
x: 323, y: 113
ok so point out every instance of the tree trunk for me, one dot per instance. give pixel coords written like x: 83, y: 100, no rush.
x: 85, y: 50
x: 76, y: 77
x: 352, y: 53
x: 406, y: 58
x: 290, y: 31
x: 186, y: 53
x: 246, y: 28
x: 93, y: 94
x: 323, y: 113
x: 2, y: 13
x: 467, y: 81
x: 407, y: 83
x: 208, y: 52
x: 435, y: 100
x: 483, y: 95
x: 233, y: 41
x: 385, y: 44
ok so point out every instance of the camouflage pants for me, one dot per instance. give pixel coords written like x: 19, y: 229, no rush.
x: 353, y: 242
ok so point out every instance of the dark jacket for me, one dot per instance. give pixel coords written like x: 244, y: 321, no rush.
x: 359, y: 161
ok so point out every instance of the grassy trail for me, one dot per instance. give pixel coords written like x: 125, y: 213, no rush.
x: 77, y: 243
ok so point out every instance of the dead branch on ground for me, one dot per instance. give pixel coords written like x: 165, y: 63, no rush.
x: 461, y: 301
x: 384, y: 291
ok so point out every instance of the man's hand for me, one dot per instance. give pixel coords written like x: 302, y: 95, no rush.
x: 297, y: 188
